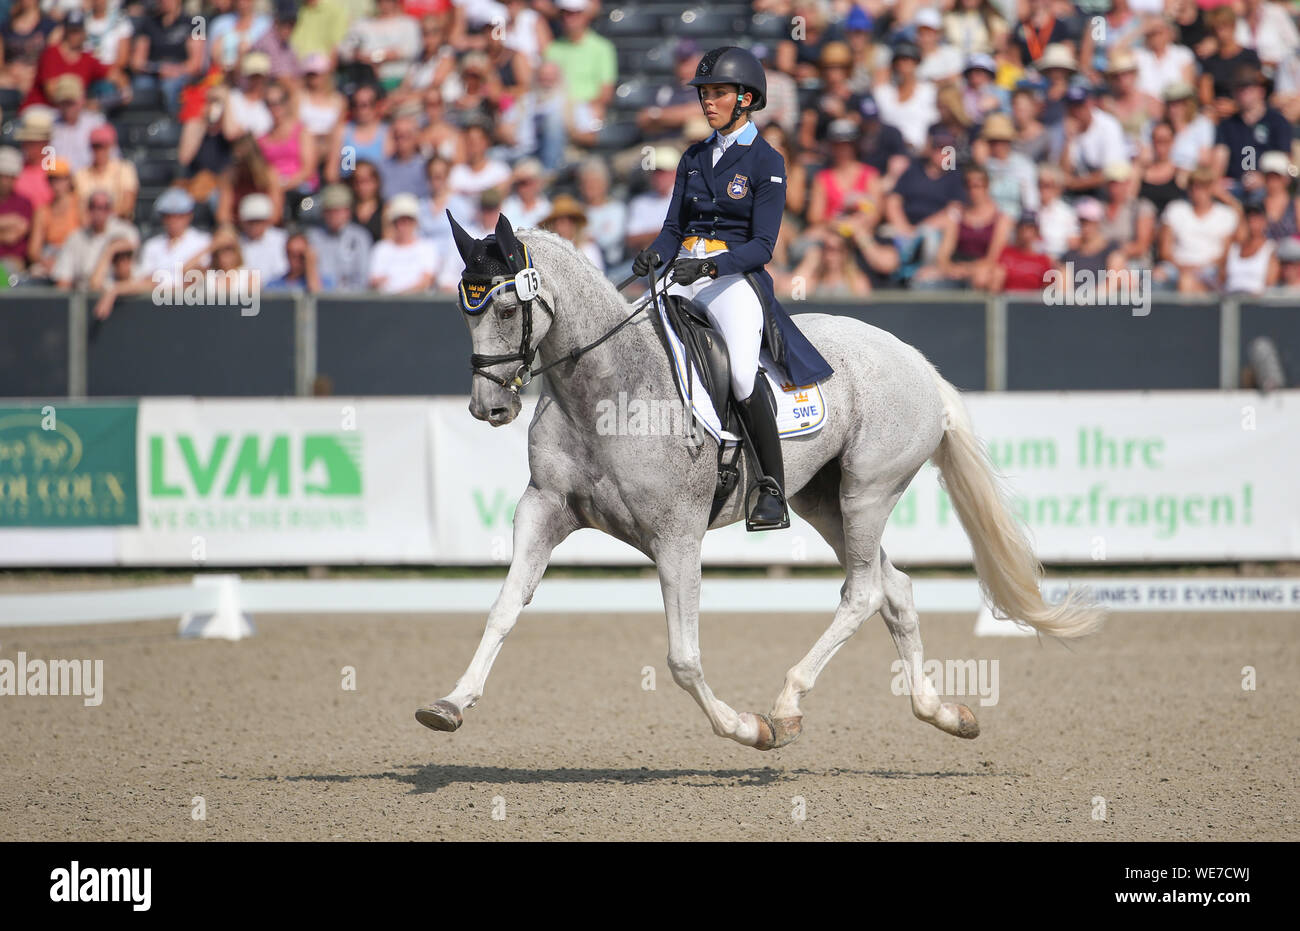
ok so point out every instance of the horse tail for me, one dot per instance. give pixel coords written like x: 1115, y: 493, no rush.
x: 1009, y: 572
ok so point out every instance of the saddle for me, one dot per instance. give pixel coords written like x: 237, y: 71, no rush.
x: 706, y: 351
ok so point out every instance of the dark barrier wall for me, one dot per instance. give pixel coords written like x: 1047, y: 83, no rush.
x: 385, y: 348
x: 143, y: 349
x: 1279, y: 323
x: 34, y: 347
x: 951, y: 335
x: 1053, y: 348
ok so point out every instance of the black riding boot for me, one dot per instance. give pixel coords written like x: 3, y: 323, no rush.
x: 759, y: 413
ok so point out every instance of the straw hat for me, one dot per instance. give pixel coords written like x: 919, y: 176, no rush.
x: 565, y: 205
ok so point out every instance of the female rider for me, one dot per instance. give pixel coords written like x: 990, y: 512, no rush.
x: 722, y: 225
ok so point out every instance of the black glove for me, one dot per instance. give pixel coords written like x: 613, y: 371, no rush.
x: 645, y: 260
x: 688, y: 271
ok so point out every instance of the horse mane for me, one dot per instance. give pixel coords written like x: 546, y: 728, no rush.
x: 530, y: 235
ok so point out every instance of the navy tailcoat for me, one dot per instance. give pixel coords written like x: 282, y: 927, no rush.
x: 741, y: 201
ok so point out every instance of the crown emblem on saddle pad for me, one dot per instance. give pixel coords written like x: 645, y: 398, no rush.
x: 737, y: 186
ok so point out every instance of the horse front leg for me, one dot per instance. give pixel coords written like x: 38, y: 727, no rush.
x: 541, y: 524
x: 679, y: 577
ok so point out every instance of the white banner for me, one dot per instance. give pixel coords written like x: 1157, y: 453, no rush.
x: 287, y: 481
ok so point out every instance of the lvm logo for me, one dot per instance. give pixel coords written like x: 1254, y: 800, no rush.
x: 255, y: 481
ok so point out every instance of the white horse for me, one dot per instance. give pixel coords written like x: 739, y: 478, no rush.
x: 889, y: 411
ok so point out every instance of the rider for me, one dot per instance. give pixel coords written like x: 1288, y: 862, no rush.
x: 724, y: 218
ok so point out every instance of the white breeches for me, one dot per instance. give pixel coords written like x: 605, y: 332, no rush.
x: 734, y: 310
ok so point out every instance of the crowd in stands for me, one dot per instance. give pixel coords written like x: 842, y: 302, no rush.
x: 929, y: 144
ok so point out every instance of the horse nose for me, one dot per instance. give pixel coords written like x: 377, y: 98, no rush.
x: 498, y: 415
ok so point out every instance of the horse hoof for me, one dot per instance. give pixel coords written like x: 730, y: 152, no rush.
x: 440, y: 716
x: 967, y: 726
x: 766, y: 733
x: 787, y: 730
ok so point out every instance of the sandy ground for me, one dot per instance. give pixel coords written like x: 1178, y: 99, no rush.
x: 567, y: 744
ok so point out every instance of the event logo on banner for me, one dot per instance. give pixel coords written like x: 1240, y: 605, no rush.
x: 67, y: 465
x: 282, y: 481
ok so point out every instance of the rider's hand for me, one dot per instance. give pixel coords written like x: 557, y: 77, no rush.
x: 645, y: 260
x: 687, y: 271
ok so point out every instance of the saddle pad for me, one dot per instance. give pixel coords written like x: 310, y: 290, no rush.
x: 800, y: 410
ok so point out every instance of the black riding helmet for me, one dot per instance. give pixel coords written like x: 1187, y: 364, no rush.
x: 731, y: 64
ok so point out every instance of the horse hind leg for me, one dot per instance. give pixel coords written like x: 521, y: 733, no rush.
x: 856, y: 543
x: 899, y: 612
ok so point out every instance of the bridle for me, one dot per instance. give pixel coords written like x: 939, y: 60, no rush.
x: 477, y: 293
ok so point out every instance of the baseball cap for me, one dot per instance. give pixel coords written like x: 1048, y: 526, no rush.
x: 572, y: 6
x: 868, y: 107
x: 907, y: 50
x: 981, y: 62
x: 666, y: 158
x: 858, y: 20
x: 928, y: 18
x: 316, y: 63
x: 1077, y: 94
x: 256, y: 63
x: 60, y: 169
x: 1179, y: 90
x: 174, y: 200
x: 1275, y: 163
x: 74, y: 20
x: 103, y: 135
x: 1117, y: 171
x: 255, y: 207
x: 1027, y: 217
x: 1288, y: 250
x: 842, y: 130
x: 403, y: 205
x: 1088, y: 209
x: 11, y: 163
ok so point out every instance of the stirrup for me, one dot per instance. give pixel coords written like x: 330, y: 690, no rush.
x: 766, y: 484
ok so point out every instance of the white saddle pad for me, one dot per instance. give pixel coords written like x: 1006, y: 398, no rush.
x: 800, y: 409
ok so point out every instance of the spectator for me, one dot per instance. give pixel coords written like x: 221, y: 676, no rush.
x: 16, y: 213
x: 1034, y: 35
x: 568, y: 220
x: 940, y: 62
x: 973, y: 237
x: 433, y: 221
x: 1162, y: 63
x: 836, y: 100
x: 322, y: 26
x: 1120, y: 30
x: 846, y: 185
x: 33, y: 136
x: 1268, y: 29
x: 275, y: 44
x: 479, y: 96
x: 982, y: 96
x: 1058, y: 67
x: 389, y: 41
x: 782, y: 96
x: 320, y: 105
x: 1281, y: 210
x: 262, y: 245
x: 204, y: 152
x: 1193, y: 131
x: 1250, y: 266
x: 23, y: 37
x: 828, y: 269
x: 304, y: 271
x: 69, y: 56
x: 587, y: 60
x: 1056, y: 219
x: 646, y: 212
x: 1288, y: 256
x: 404, y: 171
x: 109, y: 172
x: 339, y: 244
x: 975, y: 27
x: 115, y: 266
x: 1093, y: 140
x: 165, y: 52
x: 908, y: 104
x: 246, y: 110
x: 81, y: 253
x: 1013, y: 179
x: 232, y: 35
x: 1219, y: 70
x: 865, y: 57
x: 1255, y: 128
x: 362, y: 138
x: 73, y: 124
x: 526, y: 31
x: 796, y: 174
x: 289, y: 148
x: 551, y: 106
x: 367, y: 207
x: 606, y: 216
x: 526, y: 205
x: 1126, y: 103
x: 1160, y: 176
x: 953, y: 118
x: 1131, y: 220
x: 403, y: 263
x: 1095, y: 253
x: 108, y: 33
x: 674, y: 102
x: 434, y: 64
x: 478, y: 172
x: 918, y: 206
x: 249, y: 173
x: 1195, y: 235
x: 437, y: 135
x: 1033, y: 139
x: 55, y: 222
x: 1022, y: 265
x: 881, y: 146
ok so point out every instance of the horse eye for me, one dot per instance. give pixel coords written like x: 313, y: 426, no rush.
x: 508, y: 312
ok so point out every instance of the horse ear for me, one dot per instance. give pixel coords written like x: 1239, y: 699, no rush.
x: 507, y: 243
x: 465, y: 243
